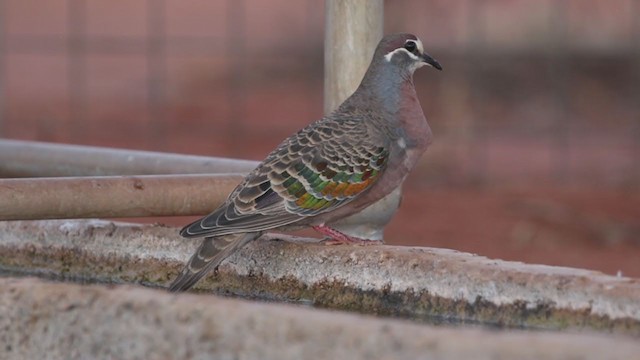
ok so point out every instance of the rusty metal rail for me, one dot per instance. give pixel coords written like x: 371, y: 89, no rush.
x: 128, y: 195
x: 50, y: 192
x: 113, y: 196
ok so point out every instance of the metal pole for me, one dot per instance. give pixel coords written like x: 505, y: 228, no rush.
x: 3, y: 73
x: 36, y: 159
x: 77, y: 69
x: 635, y: 128
x: 560, y: 66
x: 156, y: 73
x: 111, y: 197
x: 236, y: 50
x: 478, y: 153
x: 352, y: 31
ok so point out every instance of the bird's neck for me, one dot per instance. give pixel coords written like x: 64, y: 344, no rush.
x: 389, y: 90
x: 386, y: 87
x: 393, y: 95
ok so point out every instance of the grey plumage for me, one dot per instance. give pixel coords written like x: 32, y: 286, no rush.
x: 330, y: 169
x: 209, y: 255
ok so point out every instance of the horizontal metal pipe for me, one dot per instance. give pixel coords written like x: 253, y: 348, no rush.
x: 112, y: 197
x: 37, y: 159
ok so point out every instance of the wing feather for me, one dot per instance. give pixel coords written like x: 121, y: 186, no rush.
x: 321, y: 168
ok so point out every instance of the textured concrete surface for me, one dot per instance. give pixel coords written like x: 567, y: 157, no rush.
x: 68, y: 321
x: 425, y: 284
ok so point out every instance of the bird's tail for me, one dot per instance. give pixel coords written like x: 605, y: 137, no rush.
x: 210, y: 254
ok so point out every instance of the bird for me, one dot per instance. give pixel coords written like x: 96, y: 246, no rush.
x: 331, y: 169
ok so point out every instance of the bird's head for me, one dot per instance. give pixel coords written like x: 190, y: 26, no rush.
x: 404, y: 51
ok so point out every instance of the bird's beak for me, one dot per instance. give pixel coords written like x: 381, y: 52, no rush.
x: 431, y: 61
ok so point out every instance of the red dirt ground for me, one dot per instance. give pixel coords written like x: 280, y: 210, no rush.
x: 577, y: 228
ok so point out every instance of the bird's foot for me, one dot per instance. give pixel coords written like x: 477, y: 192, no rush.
x: 338, y: 238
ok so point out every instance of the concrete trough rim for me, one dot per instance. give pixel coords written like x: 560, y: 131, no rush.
x: 365, y: 279
x: 139, y: 323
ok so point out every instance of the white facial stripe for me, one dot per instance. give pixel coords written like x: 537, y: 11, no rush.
x: 418, y: 65
x: 419, y: 45
x: 390, y: 54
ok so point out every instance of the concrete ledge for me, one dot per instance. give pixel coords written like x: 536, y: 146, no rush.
x: 63, y: 321
x: 433, y: 285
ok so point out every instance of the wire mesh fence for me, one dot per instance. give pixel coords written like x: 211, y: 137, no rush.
x: 542, y: 91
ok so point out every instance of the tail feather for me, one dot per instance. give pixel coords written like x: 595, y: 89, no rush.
x: 210, y: 254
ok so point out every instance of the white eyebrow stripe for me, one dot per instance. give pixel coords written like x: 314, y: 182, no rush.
x: 419, y: 44
x: 390, y: 54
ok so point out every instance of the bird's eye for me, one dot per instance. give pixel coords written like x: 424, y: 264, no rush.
x: 410, y: 46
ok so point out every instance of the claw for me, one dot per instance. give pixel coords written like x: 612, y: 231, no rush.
x: 338, y: 238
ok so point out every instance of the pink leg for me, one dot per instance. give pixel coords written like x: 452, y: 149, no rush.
x: 338, y: 238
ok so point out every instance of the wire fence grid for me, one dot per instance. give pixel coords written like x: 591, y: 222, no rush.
x: 255, y: 77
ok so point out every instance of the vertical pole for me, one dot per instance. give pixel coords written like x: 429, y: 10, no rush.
x: 156, y: 73
x: 353, y: 28
x: 352, y: 31
x: 3, y: 82
x: 478, y: 152
x: 236, y: 49
x: 635, y: 130
x: 77, y: 69
x: 558, y: 51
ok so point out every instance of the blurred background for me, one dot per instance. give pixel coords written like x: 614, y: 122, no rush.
x: 536, y: 115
